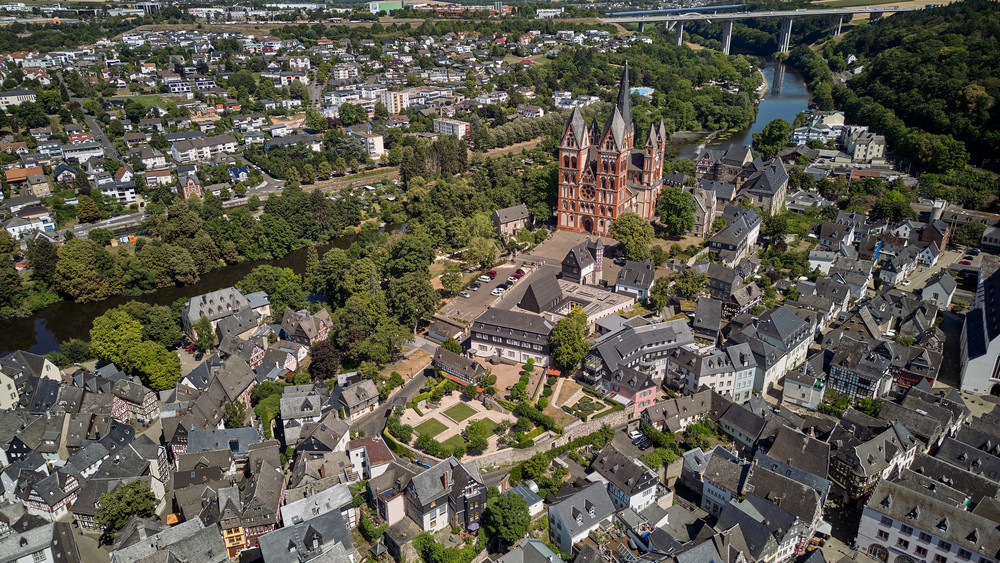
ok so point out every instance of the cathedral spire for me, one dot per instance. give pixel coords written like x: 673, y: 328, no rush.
x: 625, y: 97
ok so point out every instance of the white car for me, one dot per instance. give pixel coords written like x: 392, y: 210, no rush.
x: 906, y: 283
x: 635, y: 435
x: 498, y: 291
x: 485, y: 279
x: 464, y: 294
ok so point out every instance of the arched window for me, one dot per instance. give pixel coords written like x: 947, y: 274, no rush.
x: 573, y: 162
x: 566, y: 161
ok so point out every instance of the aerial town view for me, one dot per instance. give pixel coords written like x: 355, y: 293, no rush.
x: 394, y: 281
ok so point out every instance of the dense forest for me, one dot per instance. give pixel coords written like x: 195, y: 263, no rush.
x: 938, y: 69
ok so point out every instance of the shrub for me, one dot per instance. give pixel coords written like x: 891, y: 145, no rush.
x: 542, y: 402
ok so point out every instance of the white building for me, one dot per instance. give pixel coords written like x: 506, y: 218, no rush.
x: 446, y: 126
x: 16, y: 97
x: 395, y: 101
x: 372, y: 142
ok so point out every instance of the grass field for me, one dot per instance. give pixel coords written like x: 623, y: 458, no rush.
x: 430, y: 427
x: 451, y: 443
x: 459, y: 412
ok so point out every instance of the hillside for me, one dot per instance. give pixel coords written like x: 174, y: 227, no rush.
x: 937, y: 69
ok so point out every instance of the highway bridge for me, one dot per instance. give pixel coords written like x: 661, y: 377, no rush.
x: 675, y: 20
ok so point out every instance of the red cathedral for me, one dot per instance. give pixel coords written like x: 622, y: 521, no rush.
x: 602, y: 175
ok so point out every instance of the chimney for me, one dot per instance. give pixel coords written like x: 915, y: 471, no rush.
x: 444, y: 479
x: 322, y: 471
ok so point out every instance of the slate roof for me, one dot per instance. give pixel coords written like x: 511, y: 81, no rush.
x: 625, y: 473
x: 515, y: 324
x: 954, y: 524
x: 358, y: 393
x: 511, y: 214
x: 579, y: 504
x: 743, y: 420
x: 429, y: 485
x: 220, y: 439
x: 801, y: 451
x: 636, y: 274
x: 327, y: 536
x: 542, y: 295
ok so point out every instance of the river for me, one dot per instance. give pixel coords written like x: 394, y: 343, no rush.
x: 786, y: 96
x: 42, y: 332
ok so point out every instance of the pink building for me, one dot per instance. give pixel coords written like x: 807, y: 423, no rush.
x: 637, y: 387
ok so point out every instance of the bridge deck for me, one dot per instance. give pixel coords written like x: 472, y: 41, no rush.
x: 698, y: 16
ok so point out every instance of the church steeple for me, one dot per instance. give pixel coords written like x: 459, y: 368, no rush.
x: 624, y: 103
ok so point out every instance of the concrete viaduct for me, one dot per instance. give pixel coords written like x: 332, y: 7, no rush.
x: 676, y: 20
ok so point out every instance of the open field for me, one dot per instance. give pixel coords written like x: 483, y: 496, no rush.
x: 431, y: 427
x: 459, y: 412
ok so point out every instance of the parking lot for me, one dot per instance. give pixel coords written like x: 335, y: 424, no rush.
x: 465, y: 309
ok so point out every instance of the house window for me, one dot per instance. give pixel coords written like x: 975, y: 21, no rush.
x: 964, y: 554
x: 940, y: 559
x: 903, y: 543
x: 945, y: 546
x: 883, y: 535
x: 925, y: 537
x: 921, y: 551
x: 906, y: 530
x: 886, y: 521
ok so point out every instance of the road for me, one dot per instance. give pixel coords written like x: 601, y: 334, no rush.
x: 122, y: 223
x: 373, y: 423
x: 110, y: 150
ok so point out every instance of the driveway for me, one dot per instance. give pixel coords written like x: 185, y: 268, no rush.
x: 373, y: 423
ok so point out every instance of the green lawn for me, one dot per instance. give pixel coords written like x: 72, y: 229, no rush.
x: 451, y: 443
x: 459, y: 412
x: 431, y: 427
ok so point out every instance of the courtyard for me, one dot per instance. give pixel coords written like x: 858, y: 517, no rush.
x: 446, y: 422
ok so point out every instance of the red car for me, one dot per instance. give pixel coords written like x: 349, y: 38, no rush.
x: 518, y: 276
x: 965, y: 263
x: 189, y: 348
x: 492, y: 273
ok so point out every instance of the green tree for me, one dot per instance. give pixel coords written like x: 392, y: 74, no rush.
x: 775, y: 227
x: 87, y: 210
x: 7, y: 243
x: 114, y: 337
x: 482, y: 252
x: 381, y: 112
x: 314, y: 120
x: 10, y: 282
x: 633, y: 234
x: 568, y: 340
x: 114, y: 509
x: 351, y: 114
x: 236, y: 414
x: 970, y: 234
x: 776, y: 134
x: 85, y: 272
x: 204, y: 333
x: 676, y: 210
x: 452, y: 345
x: 298, y: 90
x: 506, y: 519
x: 452, y: 282
x: 690, y: 283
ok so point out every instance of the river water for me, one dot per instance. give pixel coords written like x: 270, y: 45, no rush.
x: 42, y: 332
x: 786, y: 96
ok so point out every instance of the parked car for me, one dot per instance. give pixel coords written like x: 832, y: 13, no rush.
x: 906, y: 283
x: 520, y: 271
x: 492, y: 274
x: 475, y: 286
x: 518, y: 276
x: 635, y: 434
x: 198, y: 356
x: 974, y: 251
x: 485, y: 279
x: 639, y: 440
x: 965, y: 263
x: 498, y: 291
x: 465, y: 294
x: 620, y: 261
x: 504, y: 286
x: 645, y: 445
x: 511, y: 279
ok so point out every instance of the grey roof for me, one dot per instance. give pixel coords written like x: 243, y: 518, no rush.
x: 636, y: 274
x: 977, y: 487
x: 742, y: 419
x: 220, y: 439
x: 215, y: 304
x: 769, y: 180
x: 333, y: 499
x: 429, y: 484
x: 530, y: 497
x: 625, y: 473
x: 325, y: 537
x: 516, y: 324
x: 801, y: 451
x: 580, y: 504
x: 358, y: 393
x: 725, y: 470
x: 301, y: 406
x: 578, y: 126
x: 783, y: 325
x: 797, y: 498
x: 531, y: 551
x: 449, y: 360
x: 954, y: 524
x: 509, y: 214
x: 543, y: 294
x: 57, y: 535
x: 624, y: 347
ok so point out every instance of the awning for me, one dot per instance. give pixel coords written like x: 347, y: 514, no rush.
x: 474, y: 526
x: 824, y: 528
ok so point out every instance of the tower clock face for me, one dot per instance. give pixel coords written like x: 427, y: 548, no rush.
x: 587, y: 193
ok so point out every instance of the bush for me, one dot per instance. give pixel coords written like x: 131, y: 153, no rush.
x: 531, y: 413
x: 542, y: 403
